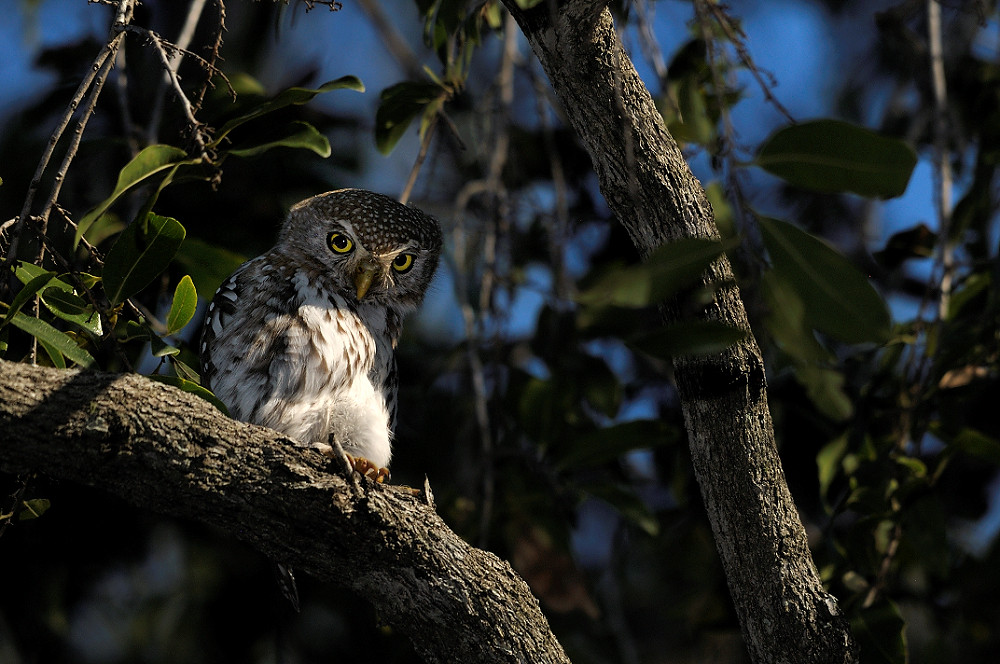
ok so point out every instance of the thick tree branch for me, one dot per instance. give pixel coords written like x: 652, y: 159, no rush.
x: 166, y: 450
x: 785, y: 614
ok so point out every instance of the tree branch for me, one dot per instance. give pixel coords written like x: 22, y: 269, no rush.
x: 784, y: 612
x: 171, y: 452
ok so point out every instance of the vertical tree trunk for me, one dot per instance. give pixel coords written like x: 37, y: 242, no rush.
x: 784, y: 612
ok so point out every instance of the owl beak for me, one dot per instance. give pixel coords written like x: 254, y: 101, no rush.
x: 363, y: 279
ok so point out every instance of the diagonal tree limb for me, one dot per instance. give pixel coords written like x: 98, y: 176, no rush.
x: 784, y: 612
x: 169, y: 451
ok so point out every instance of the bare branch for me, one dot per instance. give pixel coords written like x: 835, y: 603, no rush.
x: 169, y: 451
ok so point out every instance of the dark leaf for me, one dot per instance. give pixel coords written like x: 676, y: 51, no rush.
x: 611, y: 443
x: 138, y: 256
x: 838, y: 299
x: 398, y: 106
x: 296, y: 135
x: 289, y: 97
x: 688, y: 338
x: 54, y: 338
x: 834, y: 156
x: 152, y: 160
x: 669, y: 269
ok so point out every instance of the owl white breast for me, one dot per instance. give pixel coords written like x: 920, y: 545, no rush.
x: 302, y: 338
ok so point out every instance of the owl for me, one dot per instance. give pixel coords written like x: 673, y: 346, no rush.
x: 302, y: 338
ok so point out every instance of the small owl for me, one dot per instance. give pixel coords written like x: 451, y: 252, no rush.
x: 302, y: 338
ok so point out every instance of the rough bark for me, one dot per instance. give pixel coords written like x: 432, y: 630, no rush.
x: 785, y: 614
x: 166, y: 450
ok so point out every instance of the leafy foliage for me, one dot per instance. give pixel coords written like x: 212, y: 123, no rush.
x: 536, y: 389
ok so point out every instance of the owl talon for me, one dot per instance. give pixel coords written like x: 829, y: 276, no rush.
x: 364, y: 467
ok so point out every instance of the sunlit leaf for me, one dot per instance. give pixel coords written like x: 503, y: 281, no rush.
x: 835, y: 156
x: 61, y: 299
x: 54, y: 338
x: 152, y: 160
x: 296, y: 135
x: 193, y: 388
x: 138, y: 257
x: 183, y: 305
x: 838, y: 299
x: 34, y: 508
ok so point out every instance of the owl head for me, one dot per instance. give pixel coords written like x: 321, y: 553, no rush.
x: 367, y: 245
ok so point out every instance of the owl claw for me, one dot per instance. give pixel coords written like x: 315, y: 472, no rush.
x: 365, y: 467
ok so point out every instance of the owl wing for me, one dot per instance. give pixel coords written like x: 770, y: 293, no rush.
x: 236, y: 324
x: 277, y: 349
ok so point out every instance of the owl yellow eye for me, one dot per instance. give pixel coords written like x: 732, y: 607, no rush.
x: 402, y: 263
x: 340, y: 243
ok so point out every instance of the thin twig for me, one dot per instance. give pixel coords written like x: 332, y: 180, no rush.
x: 559, y: 233
x: 213, y: 57
x: 171, y: 63
x: 168, y: 60
x: 392, y: 40
x: 415, y: 170
x: 738, y: 38
x: 944, y: 175
x: 122, y: 18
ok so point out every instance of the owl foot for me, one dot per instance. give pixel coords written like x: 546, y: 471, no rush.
x: 365, y: 467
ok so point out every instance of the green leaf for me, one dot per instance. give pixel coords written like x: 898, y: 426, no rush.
x: 184, y: 371
x: 667, y: 270
x: 398, y: 106
x: 786, y: 321
x: 152, y: 160
x: 289, y: 97
x: 103, y: 227
x: 58, y: 359
x: 193, y: 388
x: 207, y: 264
x: 34, y: 508
x: 834, y: 156
x: 825, y: 388
x: 61, y: 299
x: 688, y: 338
x: 977, y: 444
x: 31, y: 287
x: 838, y: 299
x: 296, y: 135
x: 65, y: 304
x: 138, y: 257
x: 828, y: 463
x: 55, y: 339
x: 611, y: 443
x: 160, y: 348
x: 183, y: 306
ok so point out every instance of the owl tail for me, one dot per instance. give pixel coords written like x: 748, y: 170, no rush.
x: 286, y: 582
